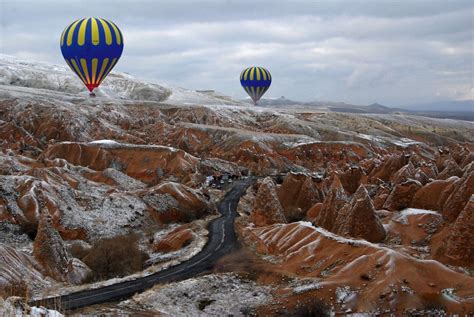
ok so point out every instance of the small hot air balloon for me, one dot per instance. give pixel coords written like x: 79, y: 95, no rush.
x: 91, y: 48
x: 256, y: 81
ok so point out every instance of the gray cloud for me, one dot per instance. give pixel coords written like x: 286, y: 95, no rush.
x: 393, y: 52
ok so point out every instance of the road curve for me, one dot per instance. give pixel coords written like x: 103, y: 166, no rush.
x: 221, y: 241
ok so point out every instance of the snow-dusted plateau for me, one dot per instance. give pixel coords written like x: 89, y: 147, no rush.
x: 348, y: 212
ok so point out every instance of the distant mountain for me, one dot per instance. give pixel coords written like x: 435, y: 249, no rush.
x: 444, y: 106
x: 275, y: 102
x: 328, y: 106
x: 376, y: 107
x: 373, y: 108
x: 451, y: 109
x: 460, y: 110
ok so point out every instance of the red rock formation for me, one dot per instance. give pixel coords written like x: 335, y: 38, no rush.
x: 380, y: 197
x: 467, y: 159
x: 297, y: 194
x: 314, y: 211
x: 451, y: 169
x: 51, y: 252
x: 16, y: 136
x: 460, y: 242
x: 174, y: 202
x: 461, y: 154
x: 174, y: 240
x: 403, y: 174
x: 402, y: 195
x: 358, y: 219
x: 421, y: 176
x: 430, y: 170
x: 333, y: 203
x: 17, y: 267
x: 145, y: 163
x: 380, y: 276
x: 351, y: 179
x: 20, y: 195
x: 317, y: 154
x: 463, y: 188
x: 390, y: 166
x: 409, y: 171
x: 80, y: 154
x: 267, y: 208
x: 248, y: 149
x: 433, y: 195
x: 213, y: 166
x: 369, y: 164
x: 417, y: 160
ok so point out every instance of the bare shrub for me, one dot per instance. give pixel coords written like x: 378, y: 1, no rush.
x: 115, y: 257
x: 313, y: 308
x: 78, y: 251
x: 15, y: 288
x: 294, y: 214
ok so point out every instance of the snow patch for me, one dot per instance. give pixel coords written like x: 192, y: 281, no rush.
x: 450, y: 294
x: 415, y: 211
x: 109, y: 142
x: 306, y: 224
x: 344, y: 294
x: 405, y: 142
x: 403, y: 216
x: 307, y: 287
x: 44, y: 312
x: 211, y: 295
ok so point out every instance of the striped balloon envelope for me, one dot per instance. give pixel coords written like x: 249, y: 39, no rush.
x: 256, y: 81
x: 91, y: 48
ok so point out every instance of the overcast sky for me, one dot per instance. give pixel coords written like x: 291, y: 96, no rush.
x: 391, y: 52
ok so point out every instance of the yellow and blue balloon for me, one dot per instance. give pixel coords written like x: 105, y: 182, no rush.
x: 255, y: 81
x: 91, y: 48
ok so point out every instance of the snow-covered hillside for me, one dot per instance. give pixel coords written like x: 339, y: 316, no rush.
x: 59, y: 82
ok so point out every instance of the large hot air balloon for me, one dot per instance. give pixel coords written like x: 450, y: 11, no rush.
x: 91, y: 48
x: 256, y: 81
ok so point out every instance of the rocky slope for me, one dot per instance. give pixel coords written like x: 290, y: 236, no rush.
x: 358, y: 219
x: 459, y: 244
x: 361, y: 276
x: 51, y: 252
x: 370, y: 244
x: 267, y: 209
